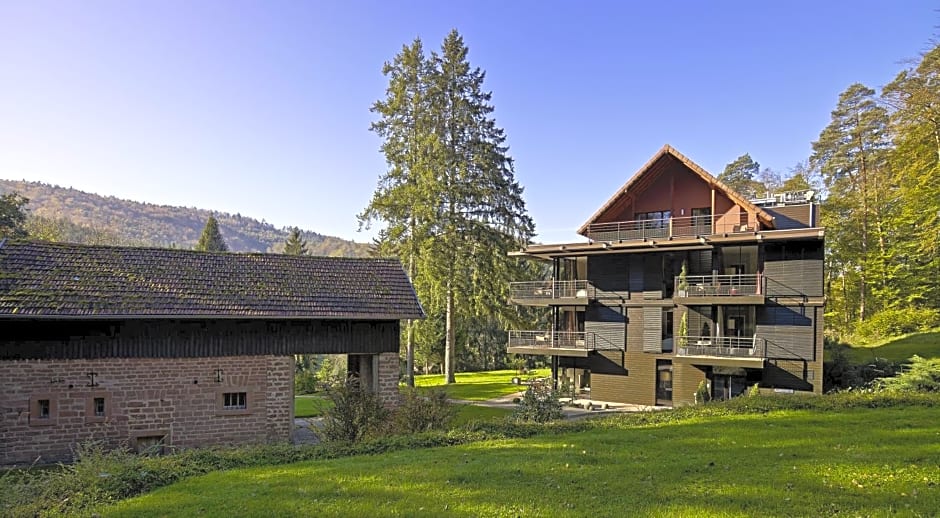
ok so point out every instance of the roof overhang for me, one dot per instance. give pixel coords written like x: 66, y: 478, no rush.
x: 550, y: 251
x: 650, y: 167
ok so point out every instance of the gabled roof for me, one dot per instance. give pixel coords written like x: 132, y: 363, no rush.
x: 56, y: 280
x: 650, y: 168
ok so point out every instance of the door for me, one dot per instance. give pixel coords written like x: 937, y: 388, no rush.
x: 664, y: 382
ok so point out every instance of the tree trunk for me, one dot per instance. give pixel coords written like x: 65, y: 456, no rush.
x: 409, y: 325
x: 450, y: 337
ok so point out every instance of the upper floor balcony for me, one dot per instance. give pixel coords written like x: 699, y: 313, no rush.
x: 721, y: 289
x: 551, y: 293
x: 556, y: 343
x: 666, y: 228
x: 746, y: 351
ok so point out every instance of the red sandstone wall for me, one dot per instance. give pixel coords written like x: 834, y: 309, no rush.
x: 176, y: 397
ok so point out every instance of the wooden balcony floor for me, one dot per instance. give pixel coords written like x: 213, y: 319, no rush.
x: 548, y: 351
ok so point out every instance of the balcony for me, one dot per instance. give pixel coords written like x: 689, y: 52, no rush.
x: 721, y: 289
x: 666, y: 228
x: 729, y: 351
x: 551, y: 293
x: 551, y: 343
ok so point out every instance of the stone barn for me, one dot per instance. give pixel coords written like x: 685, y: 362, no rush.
x: 144, y: 347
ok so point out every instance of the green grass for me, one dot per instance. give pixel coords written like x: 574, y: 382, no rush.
x: 845, y: 462
x: 479, y: 386
x: 468, y: 413
x: 926, y: 344
x: 310, y: 405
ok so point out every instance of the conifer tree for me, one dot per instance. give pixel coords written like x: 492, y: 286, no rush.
x: 450, y: 202
x: 851, y: 153
x: 295, y: 244
x: 211, y: 238
x: 741, y: 175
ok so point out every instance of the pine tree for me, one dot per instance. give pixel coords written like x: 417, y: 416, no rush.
x: 741, y: 175
x: 295, y: 244
x: 450, y: 202
x: 12, y: 215
x: 851, y: 154
x: 211, y: 238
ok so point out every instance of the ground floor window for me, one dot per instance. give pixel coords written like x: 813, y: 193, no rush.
x: 234, y: 400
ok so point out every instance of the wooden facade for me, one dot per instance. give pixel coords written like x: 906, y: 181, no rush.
x: 749, y: 310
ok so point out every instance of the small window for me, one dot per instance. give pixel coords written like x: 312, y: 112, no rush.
x: 99, y: 407
x: 234, y: 401
x: 44, y: 409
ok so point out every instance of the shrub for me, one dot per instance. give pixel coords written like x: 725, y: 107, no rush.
x: 423, y: 412
x: 305, y: 382
x: 839, y: 373
x: 754, y: 391
x: 898, y: 321
x: 357, y: 412
x: 539, y: 404
x: 702, y: 395
x: 922, y: 375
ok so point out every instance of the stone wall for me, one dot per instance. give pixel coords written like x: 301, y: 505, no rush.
x: 48, y: 407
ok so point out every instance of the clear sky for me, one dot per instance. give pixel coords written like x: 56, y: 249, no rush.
x: 262, y: 107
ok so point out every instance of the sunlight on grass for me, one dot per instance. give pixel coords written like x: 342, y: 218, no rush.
x: 310, y: 405
x: 479, y: 386
x: 469, y: 413
x: 926, y: 344
x: 793, y: 463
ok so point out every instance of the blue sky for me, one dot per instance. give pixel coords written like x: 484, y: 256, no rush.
x: 262, y: 108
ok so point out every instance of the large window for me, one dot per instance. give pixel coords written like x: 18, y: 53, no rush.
x: 667, y: 330
x: 655, y: 219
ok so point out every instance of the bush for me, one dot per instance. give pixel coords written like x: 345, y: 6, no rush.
x: 305, y: 382
x: 894, y: 322
x: 839, y: 373
x: 422, y: 413
x: 922, y: 375
x: 539, y: 404
x: 702, y: 395
x: 357, y: 413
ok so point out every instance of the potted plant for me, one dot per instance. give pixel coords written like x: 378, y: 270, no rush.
x: 683, y: 286
x: 684, y: 329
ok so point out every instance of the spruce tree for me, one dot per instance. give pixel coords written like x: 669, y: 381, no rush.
x: 295, y: 244
x: 449, y: 200
x: 211, y: 238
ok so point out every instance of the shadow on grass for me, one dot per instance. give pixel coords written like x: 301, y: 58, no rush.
x: 789, y: 463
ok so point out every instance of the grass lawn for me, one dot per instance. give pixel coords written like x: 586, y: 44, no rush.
x: 468, y: 413
x: 479, y: 386
x: 848, y: 462
x: 926, y: 344
x: 310, y: 405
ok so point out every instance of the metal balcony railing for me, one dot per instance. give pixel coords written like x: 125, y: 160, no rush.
x: 551, y: 290
x: 721, y: 285
x: 552, y: 339
x: 685, y: 226
x: 723, y: 346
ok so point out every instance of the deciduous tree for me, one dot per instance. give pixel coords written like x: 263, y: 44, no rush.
x: 12, y: 215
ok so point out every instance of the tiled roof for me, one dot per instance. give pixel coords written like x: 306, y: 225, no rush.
x: 55, y: 280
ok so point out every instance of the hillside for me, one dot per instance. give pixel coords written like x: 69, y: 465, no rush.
x: 71, y: 215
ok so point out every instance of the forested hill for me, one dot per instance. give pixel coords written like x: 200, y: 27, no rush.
x: 71, y: 215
